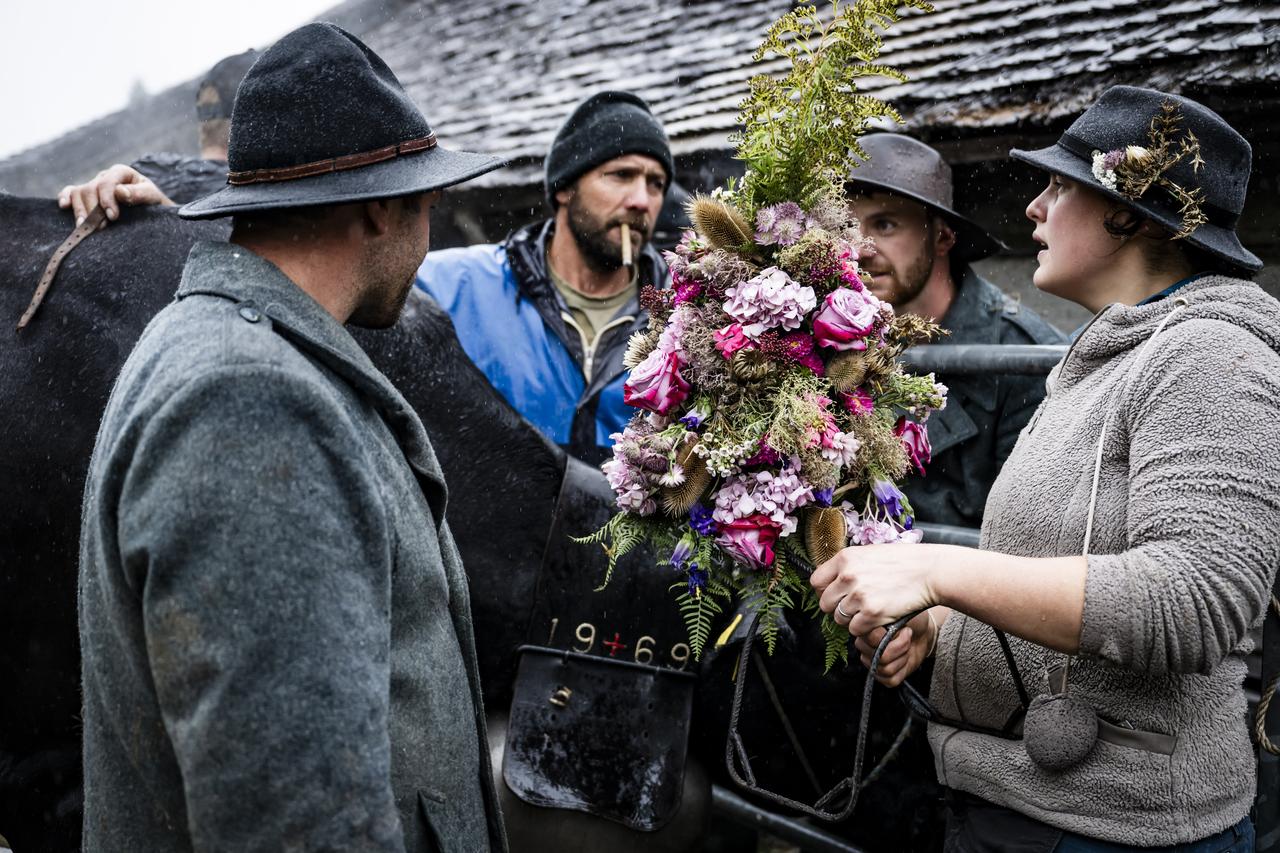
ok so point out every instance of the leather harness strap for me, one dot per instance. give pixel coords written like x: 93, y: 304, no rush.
x: 91, y: 222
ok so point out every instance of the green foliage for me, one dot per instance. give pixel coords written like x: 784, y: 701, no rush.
x: 617, y: 537
x: 699, y: 611
x: 800, y: 131
x: 837, y: 640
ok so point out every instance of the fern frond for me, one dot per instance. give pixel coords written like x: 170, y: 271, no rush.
x: 698, y: 610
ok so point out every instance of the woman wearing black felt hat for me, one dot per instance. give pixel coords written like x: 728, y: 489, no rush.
x: 1088, y: 688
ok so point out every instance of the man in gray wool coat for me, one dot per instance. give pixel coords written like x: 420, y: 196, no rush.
x: 277, y: 640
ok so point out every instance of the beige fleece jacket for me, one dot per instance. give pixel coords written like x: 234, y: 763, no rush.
x: 1186, y: 542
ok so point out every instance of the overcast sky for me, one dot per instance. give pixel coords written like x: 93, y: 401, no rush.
x: 67, y: 62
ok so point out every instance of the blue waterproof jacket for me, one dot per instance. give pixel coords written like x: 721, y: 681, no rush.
x: 515, y: 326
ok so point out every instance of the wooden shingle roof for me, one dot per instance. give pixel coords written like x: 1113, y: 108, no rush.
x: 500, y: 76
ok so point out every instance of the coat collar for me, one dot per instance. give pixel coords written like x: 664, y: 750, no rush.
x: 233, y: 272
x: 971, y: 319
x: 970, y: 316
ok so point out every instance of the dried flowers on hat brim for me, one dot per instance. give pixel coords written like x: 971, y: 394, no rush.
x: 1133, y: 170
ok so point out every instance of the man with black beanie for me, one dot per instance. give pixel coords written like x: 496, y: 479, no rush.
x: 547, y: 313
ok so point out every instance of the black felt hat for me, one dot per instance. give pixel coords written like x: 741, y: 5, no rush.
x: 907, y: 167
x: 320, y: 119
x: 1123, y: 117
x: 604, y: 126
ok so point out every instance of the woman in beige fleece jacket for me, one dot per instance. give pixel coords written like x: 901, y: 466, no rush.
x: 1130, y: 543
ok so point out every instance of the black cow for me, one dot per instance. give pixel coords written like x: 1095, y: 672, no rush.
x: 505, y: 484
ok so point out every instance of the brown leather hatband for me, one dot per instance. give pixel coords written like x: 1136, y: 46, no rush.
x: 333, y: 164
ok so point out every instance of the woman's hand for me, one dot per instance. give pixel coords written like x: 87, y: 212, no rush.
x: 909, y: 648
x: 870, y: 586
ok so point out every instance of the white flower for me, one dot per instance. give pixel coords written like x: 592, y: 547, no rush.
x: 1104, y: 176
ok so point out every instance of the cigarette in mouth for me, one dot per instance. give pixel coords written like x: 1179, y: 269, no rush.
x: 626, y: 245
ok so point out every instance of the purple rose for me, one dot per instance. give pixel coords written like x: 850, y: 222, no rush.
x: 847, y: 319
x: 656, y: 384
x: 750, y: 540
x: 915, y: 441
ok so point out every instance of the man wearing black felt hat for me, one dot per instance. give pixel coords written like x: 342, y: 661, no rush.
x: 902, y: 197
x: 277, y: 641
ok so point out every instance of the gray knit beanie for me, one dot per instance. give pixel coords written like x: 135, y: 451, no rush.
x: 604, y: 126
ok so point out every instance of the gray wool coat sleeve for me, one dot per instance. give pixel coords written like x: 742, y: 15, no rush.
x: 1204, y: 464
x: 259, y: 548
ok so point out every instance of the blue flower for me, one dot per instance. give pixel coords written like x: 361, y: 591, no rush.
x: 697, y: 578
x: 822, y: 497
x: 683, y: 552
x: 696, y: 415
x: 888, y: 496
x: 700, y: 520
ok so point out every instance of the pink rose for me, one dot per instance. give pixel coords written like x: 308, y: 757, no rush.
x: 749, y: 540
x: 730, y: 339
x: 915, y: 441
x: 656, y: 384
x: 847, y: 318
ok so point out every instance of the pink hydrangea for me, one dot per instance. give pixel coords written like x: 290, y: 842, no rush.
x: 847, y: 319
x: 868, y: 530
x: 773, y: 494
x: 769, y: 300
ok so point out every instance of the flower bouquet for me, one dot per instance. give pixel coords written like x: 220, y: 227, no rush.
x: 775, y: 420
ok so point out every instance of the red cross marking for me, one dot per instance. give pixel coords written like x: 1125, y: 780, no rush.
x: 614, y: 645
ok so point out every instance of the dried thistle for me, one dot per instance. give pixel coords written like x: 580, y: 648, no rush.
x: 750, y: 365
x: 848, y: 370
x: 825, y: 534
x: 722, y: 225
x: 639, y: 346
x: 677, y: 500
x: 909, y: 329
x: 1133, y: 170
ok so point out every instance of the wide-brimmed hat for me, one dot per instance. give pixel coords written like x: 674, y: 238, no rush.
x: 907, y: 167
x: 1153, y: 152
x: 320, y: 119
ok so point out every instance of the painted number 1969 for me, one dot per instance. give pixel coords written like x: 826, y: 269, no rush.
x: 642, y: 651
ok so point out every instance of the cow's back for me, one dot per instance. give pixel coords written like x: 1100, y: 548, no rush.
x: 55, y: 376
